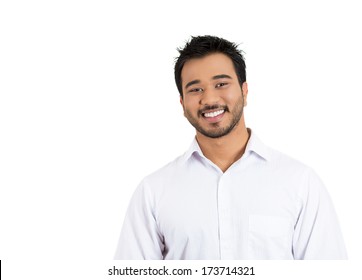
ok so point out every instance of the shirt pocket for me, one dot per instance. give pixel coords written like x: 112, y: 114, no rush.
x: 270, y: 237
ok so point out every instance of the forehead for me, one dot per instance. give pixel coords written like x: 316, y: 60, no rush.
x: 207, y: 67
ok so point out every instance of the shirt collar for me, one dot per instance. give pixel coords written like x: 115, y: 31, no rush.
x: 254, y: 145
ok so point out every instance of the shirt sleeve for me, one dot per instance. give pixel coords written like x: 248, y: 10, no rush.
x: 140, y: 238
x: 317, y: 233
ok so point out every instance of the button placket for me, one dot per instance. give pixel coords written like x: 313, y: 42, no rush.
x: 225, y: 218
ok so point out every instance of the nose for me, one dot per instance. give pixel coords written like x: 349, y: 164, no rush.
x: 209, y: 97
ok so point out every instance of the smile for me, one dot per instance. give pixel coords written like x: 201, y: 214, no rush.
x: 213, y: 114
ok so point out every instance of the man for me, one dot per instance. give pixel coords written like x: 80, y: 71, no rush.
x: 229, y: 196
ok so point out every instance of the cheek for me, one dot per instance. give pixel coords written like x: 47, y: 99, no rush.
x: 190, y: 103
x: 232, y: 96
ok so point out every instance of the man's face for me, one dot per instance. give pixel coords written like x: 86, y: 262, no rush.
x: 212, y: 100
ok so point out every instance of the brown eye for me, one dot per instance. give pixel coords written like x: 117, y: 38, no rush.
x: 221, y: 85
x: 196, y: 90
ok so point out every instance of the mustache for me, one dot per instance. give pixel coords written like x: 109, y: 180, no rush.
x: 213, y: 107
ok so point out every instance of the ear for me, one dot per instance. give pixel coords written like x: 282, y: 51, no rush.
x: 244, y: 89
x: 182, y: 104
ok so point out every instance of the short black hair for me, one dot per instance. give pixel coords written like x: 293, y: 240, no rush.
x: 201, y: 46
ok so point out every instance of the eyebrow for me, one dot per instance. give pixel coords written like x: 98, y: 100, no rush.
x: 192, y: 83
x: 221, y: 76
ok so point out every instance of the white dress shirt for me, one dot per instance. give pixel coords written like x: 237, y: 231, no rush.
x: 265, y: 206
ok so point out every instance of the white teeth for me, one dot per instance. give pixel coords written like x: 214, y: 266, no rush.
x: 213, y: 114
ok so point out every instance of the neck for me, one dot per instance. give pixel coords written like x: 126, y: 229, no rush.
x: 224, y: 151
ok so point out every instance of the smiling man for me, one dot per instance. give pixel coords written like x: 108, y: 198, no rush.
x: 213, y: 99
x: 229, y: 196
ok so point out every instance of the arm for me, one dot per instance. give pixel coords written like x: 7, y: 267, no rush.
x: 140, y: 237
x: 317, y: 233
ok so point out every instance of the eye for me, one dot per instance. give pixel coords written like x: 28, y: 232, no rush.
x: 196, y: 90
x: 220, y: 85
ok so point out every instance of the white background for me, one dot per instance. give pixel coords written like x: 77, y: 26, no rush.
x: 89, y: 107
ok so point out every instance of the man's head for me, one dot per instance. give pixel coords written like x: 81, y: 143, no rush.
x: 211, y: 76
x: 201, y: 46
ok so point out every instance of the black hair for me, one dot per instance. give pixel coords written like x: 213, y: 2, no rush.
x: 201, y: 46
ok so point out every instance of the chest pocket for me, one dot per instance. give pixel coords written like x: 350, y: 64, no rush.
x: 270, y: 237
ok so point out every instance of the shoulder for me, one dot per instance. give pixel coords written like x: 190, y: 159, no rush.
x: 292, y: 170
x: 159, y: 177
x: 280, y: 160
x: 153, y: 185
